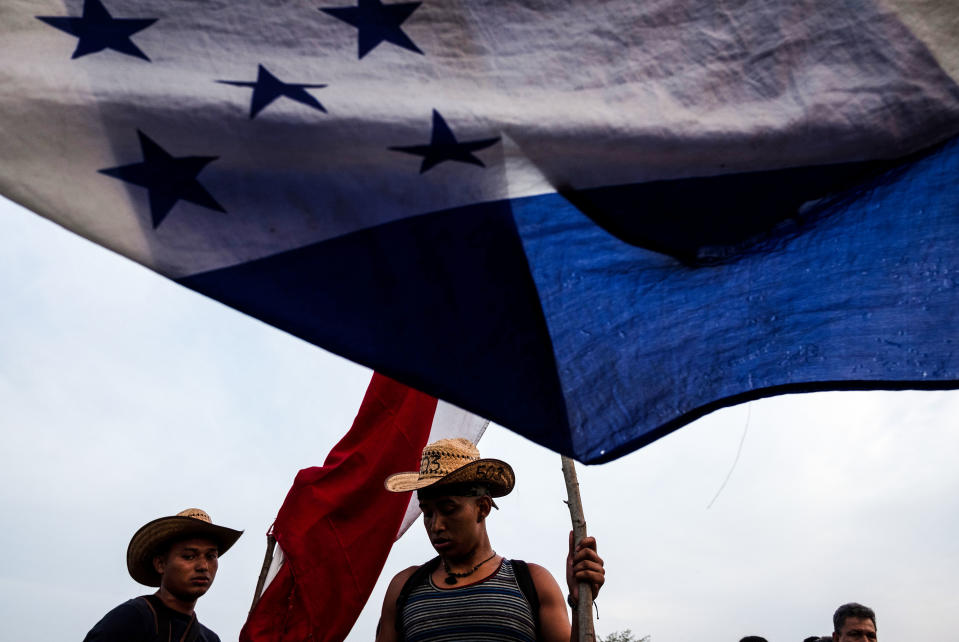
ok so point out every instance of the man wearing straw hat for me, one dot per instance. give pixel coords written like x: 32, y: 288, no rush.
x: 468, y: 592
x: 180, y: 555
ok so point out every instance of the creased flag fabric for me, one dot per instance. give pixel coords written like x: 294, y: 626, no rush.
x: 338, y: 523
x: 621, y: 215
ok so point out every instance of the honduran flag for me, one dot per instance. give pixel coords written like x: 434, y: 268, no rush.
x: 591, y: 222
x: 338, y: 522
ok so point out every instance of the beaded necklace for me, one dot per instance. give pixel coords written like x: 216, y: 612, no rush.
x: 451, y: 577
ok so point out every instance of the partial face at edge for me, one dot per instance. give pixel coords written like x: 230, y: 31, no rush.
x: 856, y: 629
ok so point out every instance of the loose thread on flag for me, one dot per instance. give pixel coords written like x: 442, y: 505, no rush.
x: 739, y: 451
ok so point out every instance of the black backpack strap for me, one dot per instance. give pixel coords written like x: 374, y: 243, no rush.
x: 525, y: 581
x: 418, y: 577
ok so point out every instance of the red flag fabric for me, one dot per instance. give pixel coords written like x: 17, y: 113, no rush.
x: 338, y: 523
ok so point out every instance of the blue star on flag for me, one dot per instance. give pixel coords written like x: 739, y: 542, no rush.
x: 377, y: 22
x: 97, y: 30
x: 168, y: 179
x: 268, y: 88
x: 443, y: 146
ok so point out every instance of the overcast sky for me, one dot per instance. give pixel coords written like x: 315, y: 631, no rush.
x: 124, y: 397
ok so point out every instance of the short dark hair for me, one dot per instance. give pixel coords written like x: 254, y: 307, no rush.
x: 753, y: 638
x: 853, y: 609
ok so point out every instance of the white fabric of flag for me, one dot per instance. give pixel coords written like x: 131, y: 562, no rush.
x: 502, y: 202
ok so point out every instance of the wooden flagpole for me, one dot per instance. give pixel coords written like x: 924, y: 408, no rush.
x: 267, y: 561
x: 584, y: 610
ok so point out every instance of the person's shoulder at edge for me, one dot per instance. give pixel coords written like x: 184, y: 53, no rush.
x: 396, y: 584
x: 130, y: 621
x: 385, y: 629
x: 207, y: 635
x: 544, y: 581
x: 553, y: 618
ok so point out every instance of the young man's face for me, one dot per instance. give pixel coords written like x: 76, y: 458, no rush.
x: 856, y: 629
x: 453, y: 524
x: 188, y: 569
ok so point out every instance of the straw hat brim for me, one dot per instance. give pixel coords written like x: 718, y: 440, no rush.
x: 147, y: 541
x: 495, y: 474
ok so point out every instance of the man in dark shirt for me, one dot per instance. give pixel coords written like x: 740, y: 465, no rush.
x: 180, y: 555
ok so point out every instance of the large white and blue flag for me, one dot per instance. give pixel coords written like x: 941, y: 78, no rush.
x: 591, y: 222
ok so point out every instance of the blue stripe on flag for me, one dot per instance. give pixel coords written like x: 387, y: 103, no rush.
x: 854, y: 291
x: 864, y: 295
x: 443, y: 302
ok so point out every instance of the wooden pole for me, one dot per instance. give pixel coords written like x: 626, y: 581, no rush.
x: 267, y: 561
x: 584, y: 610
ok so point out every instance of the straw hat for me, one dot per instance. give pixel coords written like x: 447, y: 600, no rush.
x: 151, y: 537
x: 455, y: 461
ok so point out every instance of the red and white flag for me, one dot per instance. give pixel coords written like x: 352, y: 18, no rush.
x: 338, y: 523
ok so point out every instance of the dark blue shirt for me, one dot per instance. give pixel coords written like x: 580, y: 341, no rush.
x: 134, y: 621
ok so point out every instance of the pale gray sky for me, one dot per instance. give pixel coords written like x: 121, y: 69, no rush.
x: 124, y: 397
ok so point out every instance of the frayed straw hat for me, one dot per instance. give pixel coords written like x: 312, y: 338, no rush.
x: 455, y: 461
x: 150, y: 539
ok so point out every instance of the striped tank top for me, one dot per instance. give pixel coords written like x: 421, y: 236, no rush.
x: 492, y: 609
